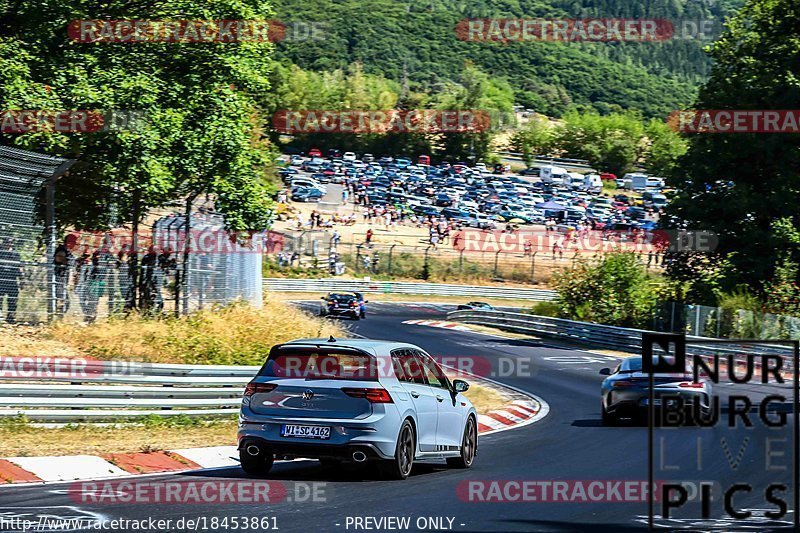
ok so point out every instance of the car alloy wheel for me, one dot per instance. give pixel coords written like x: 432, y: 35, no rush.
x: 400, y: 467
x: 469, y: 447
x: 405, y: 458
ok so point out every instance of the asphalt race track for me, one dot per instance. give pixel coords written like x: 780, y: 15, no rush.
x: 568, y: 444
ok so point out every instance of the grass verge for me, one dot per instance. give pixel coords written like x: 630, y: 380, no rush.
x: 233, y: 335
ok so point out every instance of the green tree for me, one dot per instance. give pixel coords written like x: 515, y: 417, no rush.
x: 203, y: 124
x: 738, y: 185
x: 615, y: 291
x: 664, y: 148
x: 534, y: 138
x: 612, y: 143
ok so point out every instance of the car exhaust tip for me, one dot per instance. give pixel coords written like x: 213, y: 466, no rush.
x: 359, y: 456
x: 253, y: 450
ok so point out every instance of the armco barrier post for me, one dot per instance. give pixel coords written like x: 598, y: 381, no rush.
x: 389, y: 264
x: 426, y: 267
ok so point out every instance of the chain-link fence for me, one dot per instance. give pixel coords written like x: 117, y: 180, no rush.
x: 27, y: 287
x: 162, y: 268
x: 320, y: 252
x: 719, y: 322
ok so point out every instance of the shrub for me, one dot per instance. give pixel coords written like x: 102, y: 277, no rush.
x: 616, y: 291
x: 545, y: 309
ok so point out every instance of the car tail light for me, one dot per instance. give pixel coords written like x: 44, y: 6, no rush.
x: 352, y: 304
x: 691, y: 385
x: 254, y: 388
x: 622, y: 384
x: 371, y: 395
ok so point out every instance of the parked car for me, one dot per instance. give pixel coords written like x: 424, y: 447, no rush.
x: 315, y: 152
x: 443, y: 200
x: 348, y: 156
x: 355, y: 400
x: 531, y: 171
x: 308, y: 182
x: 306, y: 194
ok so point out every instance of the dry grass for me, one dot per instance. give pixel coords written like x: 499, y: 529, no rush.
x: 231, y: 335
x: 484, y: 398
x: 21, y: 341
x: 20, y: 440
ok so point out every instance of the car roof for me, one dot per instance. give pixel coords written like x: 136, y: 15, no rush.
x: 376, y: 346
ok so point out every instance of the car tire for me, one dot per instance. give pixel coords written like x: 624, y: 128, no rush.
x: 400, y: 466
x: 356, y: 316
x: 257, y: 465
x: 469, y: 447
x: 608, y: 418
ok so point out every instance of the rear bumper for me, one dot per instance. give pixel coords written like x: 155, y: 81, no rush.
x: 343, y: 312
x: 637, y: 403
x: 376, y: 436
x: 291, y: 450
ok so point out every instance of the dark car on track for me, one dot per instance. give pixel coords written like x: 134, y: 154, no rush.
x: 351, y: 304
x: 624, y: 393
x: 478, y: 306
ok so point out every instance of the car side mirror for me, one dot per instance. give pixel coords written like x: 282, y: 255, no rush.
x: 605, y: 371
x: 459, y: 385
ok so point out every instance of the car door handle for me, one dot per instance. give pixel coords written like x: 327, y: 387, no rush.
x: 439, y: 398
x: 414, y: 394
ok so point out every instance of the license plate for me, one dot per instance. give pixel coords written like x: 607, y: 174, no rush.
x: 657, y: 402
x: 306, y: 432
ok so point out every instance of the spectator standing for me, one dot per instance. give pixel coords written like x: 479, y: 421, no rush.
x: 10, y: 274
x: 150, y: 294
x: 62, y: 259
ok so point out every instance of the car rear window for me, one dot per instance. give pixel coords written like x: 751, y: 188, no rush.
x: 320, y: 363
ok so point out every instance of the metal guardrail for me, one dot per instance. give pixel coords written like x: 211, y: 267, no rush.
x: 399, y: 287
x: 565, y: 162
x: 112, y: 391
x: 612, y: 337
